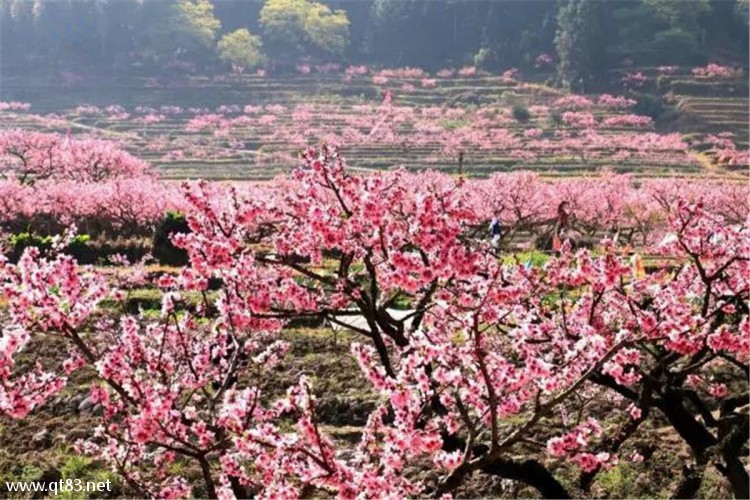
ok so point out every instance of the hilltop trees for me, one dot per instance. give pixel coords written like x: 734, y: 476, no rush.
x: 241, y: 49
x: 301, y: 26
x: 195, y: 18
x: 580, y: 42
x: 187, y: 31
x: 661, y: 31
x: 327, y: 30
x: 433, y: 35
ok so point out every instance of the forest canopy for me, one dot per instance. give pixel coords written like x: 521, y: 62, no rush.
x: 586, y: 37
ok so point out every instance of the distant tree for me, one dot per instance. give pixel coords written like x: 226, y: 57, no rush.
x: 521, y: 113
x: 172, y: 29
x: 679, y: 14
x: 742, y: 10
x: 282, y: 22
x: 739, y: 17
x: 580, y: 42
x: 297, y: 26
x: 680, y: 44
x: 388, y: 21
x: 683, y: 31
x: 486, y: 33
x: 328, y: 30
x: 241, y: 49
x: 194, y: 19
x: 27, y: 156
x: 54, y: 36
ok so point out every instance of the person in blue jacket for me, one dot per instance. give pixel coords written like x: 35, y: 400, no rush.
x: 496, y: 230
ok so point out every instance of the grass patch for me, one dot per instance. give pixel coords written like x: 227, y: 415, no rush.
x: 454, y: 124
x: 81, y: 470
x: 533, y: 258
x: 619, y: 481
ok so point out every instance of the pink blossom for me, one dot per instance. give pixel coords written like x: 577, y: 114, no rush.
x: 719, y: 391
x: 717, y: 72
x: 467, y: 71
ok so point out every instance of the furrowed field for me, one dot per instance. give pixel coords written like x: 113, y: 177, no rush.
x: 326, y: 313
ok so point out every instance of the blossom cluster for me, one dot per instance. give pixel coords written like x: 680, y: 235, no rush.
x: 55, y: 181
x: 717, y: 71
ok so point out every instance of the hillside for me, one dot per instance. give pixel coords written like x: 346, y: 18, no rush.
x: 251, y: 127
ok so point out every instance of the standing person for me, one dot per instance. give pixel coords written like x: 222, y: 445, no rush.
x: 496, y: 230
x: 561, y: 225
x: 562, y: 217
x: 388, y: 98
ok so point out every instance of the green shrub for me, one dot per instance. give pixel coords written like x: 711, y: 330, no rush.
x: 469, y: 98
x: 81, y: 468
x: 649, y: 105
x: 164, y: 250
x: 555, y: 119
x: 82, y: 248
x: 78, y: 246
x: 521, y: 113
x: 21, y: 241
x: 533, y: 258
x: 619, y: 481
x: 677, y: 45
x: 455, y: 124
x: 663, y: 83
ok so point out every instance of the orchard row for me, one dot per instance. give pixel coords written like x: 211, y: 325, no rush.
x: 491, y: 368
x: 52, y: 181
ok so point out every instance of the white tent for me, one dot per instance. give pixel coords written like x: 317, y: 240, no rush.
x: 353, y: 319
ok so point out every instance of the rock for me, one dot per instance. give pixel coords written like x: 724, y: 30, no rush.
x: 81, y: 432
x: 74, y: 400
x: 345, y: 454
x: 41, y: 439
x: 643, y: 483
x: 87, y: 405
x: 49, y: 476
x: 344, y: 411
x: 58, y: 406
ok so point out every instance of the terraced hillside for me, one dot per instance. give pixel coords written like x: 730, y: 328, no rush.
x: 720, y: 114
x: 708, y: 106
x: 252, y: 127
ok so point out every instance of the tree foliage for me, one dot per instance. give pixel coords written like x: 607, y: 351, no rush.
x: 327, y: 30
x: 187, y: 28
x: 679, y: 14
x: 580, y: 42
x: 300, y: 26
x: 195, y: 18
x: 242, y: 49
x: 432, y: 35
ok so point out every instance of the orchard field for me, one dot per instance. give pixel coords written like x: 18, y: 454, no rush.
x: 253, y: 127
x: 318, y: 280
